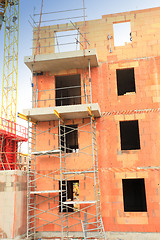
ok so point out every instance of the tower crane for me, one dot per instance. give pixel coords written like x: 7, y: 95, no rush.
x: 2, y: 10
x: 10, y: 16
x: 10, y: 132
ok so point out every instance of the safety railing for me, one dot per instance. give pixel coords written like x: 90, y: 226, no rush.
x: 63, y: 96
x: 13, y: 129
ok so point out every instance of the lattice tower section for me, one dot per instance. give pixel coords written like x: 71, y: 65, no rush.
x: 10, y: 61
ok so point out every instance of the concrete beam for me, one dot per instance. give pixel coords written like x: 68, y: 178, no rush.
x: 67, y: 112
x: 56, y: 62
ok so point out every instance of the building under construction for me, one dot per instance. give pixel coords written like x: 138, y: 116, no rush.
x: 93, y: 141
x: 95, y: 146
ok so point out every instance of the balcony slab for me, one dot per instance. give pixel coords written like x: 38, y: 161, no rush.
x: 56, y: 62
x: 66, y: 112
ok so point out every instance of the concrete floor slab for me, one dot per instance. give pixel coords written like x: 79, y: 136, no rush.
x: 56, y: 62
x: 66, y: 112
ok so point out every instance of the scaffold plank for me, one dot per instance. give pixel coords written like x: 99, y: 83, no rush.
x: 79, y: 202
x: 46, y: 191
x: 50, y: 152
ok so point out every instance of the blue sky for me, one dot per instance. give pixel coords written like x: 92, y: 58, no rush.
x: 94, y: 10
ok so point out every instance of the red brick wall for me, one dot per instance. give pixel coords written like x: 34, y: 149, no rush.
x: 142, y: 54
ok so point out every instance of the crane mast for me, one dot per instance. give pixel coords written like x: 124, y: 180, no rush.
x: 2, y: 9
x: 10, y: 60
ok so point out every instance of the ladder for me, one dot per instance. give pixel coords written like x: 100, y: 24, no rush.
x: 63, y: 181
x: 31, y: 184
x: 93, y: 227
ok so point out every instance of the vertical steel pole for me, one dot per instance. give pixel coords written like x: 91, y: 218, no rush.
x: 89, y: 67
x: 36, y: 91
x: 32, y: 89
x: 61, y: 183
x: 85, y: 227
x: 28, y: 183
x: 94, y: 167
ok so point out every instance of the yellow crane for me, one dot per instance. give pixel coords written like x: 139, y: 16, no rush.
x: 10, y: 132
x: 2, y: 10
x: 9, y: 14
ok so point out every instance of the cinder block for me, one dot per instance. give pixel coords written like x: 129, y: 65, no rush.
x: 140, y: 116
x: 131, y: 175
x: 143, y: 174
x: 129, y: 117
x: 120, y: 175
x: 119, y: 117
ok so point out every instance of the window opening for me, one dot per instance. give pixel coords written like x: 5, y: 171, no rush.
x: 134, y: 196
x: 122, y: 33
x: 68, y: 90
x: 66, y: 41
x: 125, y: 81
x: 72, y: 195
x: 69, y: 136
x: 129, y: 133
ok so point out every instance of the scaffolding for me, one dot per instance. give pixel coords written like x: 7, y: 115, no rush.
x: 50, y: 201
x: 63, y: 196
x: 59, y: 38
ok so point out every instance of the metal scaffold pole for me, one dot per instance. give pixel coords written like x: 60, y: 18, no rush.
x: 61, y: 179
